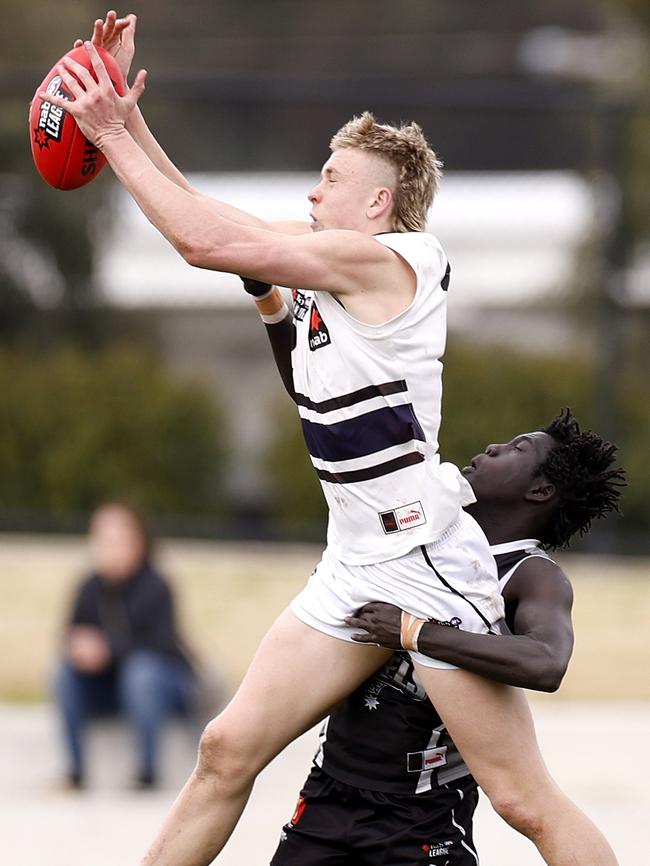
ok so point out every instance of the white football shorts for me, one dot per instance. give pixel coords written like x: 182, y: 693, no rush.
x: 453, y: 580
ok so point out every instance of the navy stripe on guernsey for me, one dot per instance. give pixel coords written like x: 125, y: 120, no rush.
x: 363, y: 435
x: 354, y: 397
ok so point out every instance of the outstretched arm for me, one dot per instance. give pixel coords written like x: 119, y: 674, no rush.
x: 538, y: 602
x: 350, y: 261
x: 117, y: 36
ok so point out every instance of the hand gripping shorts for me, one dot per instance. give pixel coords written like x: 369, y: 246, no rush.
x: 453, y: 580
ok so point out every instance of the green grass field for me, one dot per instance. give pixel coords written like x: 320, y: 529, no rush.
x: 229, y: 593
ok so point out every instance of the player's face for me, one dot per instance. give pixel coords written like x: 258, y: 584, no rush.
x: 508, y: 471
x: 346, y: 188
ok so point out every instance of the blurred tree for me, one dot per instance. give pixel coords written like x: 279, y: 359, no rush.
x: 77, y: 428
x: 46, y: 264
x: 298, y: 504
x: 635, y: 16
x: 639, y: 9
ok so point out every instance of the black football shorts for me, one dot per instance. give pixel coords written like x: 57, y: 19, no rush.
x: 338, y: 825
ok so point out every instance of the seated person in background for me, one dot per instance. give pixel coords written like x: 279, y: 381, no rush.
x: 122, y: 653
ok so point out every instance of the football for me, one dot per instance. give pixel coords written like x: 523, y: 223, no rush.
x: 62, y: 155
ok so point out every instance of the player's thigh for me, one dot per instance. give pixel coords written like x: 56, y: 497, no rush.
x: 295, y: 678
x: 492, y: 727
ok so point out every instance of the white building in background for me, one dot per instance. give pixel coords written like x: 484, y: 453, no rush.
x: 511, y: 239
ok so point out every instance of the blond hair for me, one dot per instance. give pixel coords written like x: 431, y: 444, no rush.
x: 418, y: 168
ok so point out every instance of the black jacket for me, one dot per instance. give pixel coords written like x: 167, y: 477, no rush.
x: 135, y: 614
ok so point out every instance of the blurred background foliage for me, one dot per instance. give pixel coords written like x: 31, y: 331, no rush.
x: 230, y: 83
x: 78, y: 427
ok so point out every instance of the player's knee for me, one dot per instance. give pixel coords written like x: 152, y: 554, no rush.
x: 221, y: 754
x: 216, y: 747
x: 519, y: 812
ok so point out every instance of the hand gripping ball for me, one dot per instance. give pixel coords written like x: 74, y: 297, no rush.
x: 62, y: 155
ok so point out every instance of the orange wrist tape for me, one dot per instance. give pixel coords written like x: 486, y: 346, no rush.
x: 272, y: 307
x: 410, y: 628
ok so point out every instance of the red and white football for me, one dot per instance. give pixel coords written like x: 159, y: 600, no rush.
x: 62, y: 154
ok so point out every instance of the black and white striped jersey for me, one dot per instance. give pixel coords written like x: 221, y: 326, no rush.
x: 387, y: 736
x: 369, y: 399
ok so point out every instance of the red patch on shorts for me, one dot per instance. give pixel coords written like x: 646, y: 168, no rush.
x: 301, y: 805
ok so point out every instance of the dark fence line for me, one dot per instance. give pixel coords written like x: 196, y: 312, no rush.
x: 245, y: 525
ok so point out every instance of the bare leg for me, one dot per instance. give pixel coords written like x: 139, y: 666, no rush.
x: 492, y: 726
x: 297, y: 675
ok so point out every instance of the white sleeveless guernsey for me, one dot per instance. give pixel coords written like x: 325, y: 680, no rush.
x: 369, y: 399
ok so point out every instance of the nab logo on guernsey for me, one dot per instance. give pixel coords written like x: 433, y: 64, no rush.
x: 319, y: 336
x: 405, y: 517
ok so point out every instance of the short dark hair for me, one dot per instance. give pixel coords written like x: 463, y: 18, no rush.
x: 581, y: 467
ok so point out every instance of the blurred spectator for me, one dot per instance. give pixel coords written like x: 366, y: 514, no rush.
x: 122, y: 653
